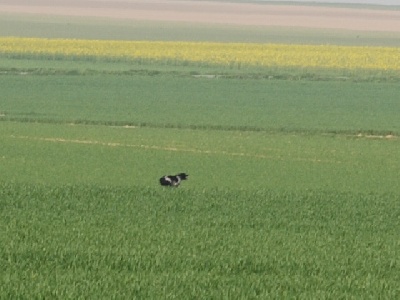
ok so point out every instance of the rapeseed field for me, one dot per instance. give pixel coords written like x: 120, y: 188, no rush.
x: 234, y: 54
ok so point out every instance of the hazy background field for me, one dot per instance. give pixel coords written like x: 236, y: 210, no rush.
x: 293, y: 189
x: 101, y: 28
x: 375, y: 2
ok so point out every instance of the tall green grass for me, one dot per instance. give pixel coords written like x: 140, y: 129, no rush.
x: 85, y: 241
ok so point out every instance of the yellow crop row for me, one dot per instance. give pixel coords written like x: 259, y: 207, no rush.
x: 327, y: 56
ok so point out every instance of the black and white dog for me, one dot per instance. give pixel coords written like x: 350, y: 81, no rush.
x: 173, y: 180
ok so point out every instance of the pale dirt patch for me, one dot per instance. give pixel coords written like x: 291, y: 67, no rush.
x: 124, y: 126
x: 390, y: 136
x: 208, y: 12
x: 371, y: 136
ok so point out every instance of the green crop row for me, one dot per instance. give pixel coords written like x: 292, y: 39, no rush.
x: 203, y: 103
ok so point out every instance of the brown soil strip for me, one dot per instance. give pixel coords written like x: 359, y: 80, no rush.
x: 215, y: 13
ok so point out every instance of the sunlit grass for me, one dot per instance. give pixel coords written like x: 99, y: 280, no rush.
x: 74, y: 241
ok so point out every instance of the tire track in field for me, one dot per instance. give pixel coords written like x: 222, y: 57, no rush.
x: 174, y: 149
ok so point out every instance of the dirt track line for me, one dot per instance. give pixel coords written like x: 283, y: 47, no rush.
x: 173, y: 149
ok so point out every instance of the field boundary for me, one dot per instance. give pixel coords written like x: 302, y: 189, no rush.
x: 122, y: 124
x: 248, y: 72
x: 171, y: 149
x: 347, y: 133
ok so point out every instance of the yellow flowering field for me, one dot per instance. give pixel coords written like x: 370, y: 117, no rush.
x: 276, y: 55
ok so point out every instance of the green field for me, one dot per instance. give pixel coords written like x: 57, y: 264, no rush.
x: 293, y: 189
x: 226, y: 104
x: 79, y: 241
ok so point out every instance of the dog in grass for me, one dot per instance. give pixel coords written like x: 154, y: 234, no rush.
x: 173, y: 180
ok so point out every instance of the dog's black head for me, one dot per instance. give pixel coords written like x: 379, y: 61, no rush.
x: 183, y: 176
